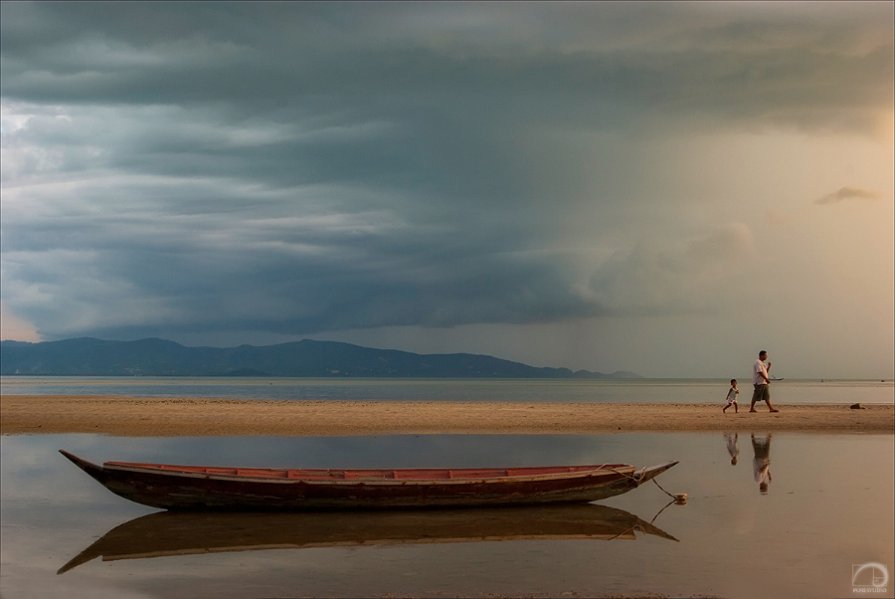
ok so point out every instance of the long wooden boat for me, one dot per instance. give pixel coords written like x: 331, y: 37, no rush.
x: 167, y: 534
x: 270, y: 489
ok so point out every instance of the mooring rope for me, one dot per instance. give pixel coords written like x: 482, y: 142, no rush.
x: 679, y: 498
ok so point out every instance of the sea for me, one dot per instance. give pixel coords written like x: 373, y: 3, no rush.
x: 786, y: 391
x: 822, y: 527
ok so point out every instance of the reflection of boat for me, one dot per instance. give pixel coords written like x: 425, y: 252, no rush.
x: 233, y: 489
x: 187, y: 533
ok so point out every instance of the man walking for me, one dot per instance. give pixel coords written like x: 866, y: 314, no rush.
x: 761, y: 381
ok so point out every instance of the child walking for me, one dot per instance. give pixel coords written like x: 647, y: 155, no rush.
x: 732, y: 397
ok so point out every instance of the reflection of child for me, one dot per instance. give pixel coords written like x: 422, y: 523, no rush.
x: 732, y: 448
x: 732, y: 396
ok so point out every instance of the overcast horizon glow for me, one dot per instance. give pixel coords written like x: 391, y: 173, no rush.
x: 664, y: 188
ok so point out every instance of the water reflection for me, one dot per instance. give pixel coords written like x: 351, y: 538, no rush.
x: 176, y: 534
x: 761, y: 463
x: 730, y: 545
x: 732, y: 449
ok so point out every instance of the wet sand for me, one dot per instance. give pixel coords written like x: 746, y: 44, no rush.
x: 137, y: 416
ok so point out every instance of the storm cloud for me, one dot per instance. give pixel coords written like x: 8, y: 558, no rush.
x: 296, y: 168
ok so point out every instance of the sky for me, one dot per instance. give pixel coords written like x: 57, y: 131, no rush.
x: 664, y: 188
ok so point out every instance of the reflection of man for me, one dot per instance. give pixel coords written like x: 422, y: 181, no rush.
x: 762, y: 382
x: 732, y: 448
x: 761, y: 463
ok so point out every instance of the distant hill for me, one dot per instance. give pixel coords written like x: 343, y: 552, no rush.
x: 306, y: 358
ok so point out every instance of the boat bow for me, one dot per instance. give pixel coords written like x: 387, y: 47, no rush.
x: 649, y: 472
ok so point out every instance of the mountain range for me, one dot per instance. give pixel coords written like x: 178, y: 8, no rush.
x: 305, y: 358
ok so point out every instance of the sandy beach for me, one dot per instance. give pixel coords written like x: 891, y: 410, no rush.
x: 135, y: 416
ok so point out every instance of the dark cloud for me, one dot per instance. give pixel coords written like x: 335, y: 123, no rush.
x: 848, y: 193
x: 304, y: 167
x: 341, y: 60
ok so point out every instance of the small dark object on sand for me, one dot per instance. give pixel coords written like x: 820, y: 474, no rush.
x: 857, y: 406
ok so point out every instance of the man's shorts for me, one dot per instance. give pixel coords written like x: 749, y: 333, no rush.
x: 761, y: 393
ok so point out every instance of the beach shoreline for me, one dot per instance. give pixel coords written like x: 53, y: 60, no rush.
x: 190, y: 416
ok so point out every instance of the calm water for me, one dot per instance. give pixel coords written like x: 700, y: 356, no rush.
x: 828, y: 507
x: 522, y: 390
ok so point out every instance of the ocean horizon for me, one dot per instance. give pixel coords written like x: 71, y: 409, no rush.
x: 526, y: 390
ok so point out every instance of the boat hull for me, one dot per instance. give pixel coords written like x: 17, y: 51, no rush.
x: 202, y: 491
